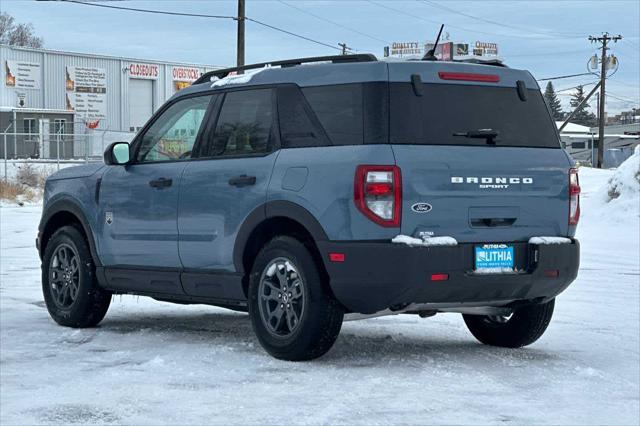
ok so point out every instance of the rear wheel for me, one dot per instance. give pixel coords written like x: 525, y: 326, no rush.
x: 292, y: 312
x: 523, y: 327
x: 69, y: 286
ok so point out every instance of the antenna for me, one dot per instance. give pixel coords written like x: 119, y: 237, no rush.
x: 430, y: 55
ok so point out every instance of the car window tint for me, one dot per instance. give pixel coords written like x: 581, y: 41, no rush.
x: 339, y: 109
x: 173, y: 134
x: 298, y: 127
x: 244, y: 124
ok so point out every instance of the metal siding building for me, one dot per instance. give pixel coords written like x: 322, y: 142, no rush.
x: 40, y: 95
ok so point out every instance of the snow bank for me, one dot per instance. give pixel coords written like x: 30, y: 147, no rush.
x: 611, y: 195
x: 549, y: 240
x: 237, y: 79
x: 626, y: 180
x: 427, y: 242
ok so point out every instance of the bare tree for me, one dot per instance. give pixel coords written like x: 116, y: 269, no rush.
x: 17, y: 35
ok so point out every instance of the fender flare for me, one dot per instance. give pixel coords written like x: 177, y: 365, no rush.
x: 269, y: 210
x: 71, y: 206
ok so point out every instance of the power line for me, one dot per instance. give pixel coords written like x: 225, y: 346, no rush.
x: 255, y: 21
x: 501, y: 24
x: 159, y: 12
x: 199, y: 15
x: 402, y: 12
x: 564, y: 76
x: 322, y: 18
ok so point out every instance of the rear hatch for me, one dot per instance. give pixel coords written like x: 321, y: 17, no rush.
x: 480, y: 157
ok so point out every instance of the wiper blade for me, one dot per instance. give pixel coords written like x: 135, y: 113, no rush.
x: 487, y: 134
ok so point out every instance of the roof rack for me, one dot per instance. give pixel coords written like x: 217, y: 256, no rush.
x: 336, y: 59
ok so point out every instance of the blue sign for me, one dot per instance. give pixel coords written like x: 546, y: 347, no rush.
x: 489, y: 256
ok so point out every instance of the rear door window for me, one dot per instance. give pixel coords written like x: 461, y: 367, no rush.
x: 446, y: 110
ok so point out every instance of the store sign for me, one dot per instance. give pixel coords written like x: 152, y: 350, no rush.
x: 142, y: 70
x: 189, y: 74
x: 86, y: 89
x: 406, y: 48
x: 444, y: 51
x: 485, y: 49
x: 22, y: 74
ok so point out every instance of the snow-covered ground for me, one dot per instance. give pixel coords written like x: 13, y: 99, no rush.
x: 151, y: 362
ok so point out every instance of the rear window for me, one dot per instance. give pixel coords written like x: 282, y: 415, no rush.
x: 447, y: 109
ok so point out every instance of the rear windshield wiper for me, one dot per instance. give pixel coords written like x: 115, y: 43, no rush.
x: 487, y: 134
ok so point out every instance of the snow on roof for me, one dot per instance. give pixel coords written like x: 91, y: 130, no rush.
x: 573, y: 128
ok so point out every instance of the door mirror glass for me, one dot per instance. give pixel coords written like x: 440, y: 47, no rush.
x: 117, y: 154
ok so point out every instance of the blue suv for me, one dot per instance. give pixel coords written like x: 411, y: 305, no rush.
x: 313, y: 189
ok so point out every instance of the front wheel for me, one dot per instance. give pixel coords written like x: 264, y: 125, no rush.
x: 523, y: 327
x: 292, y: 311
x: 69, y: 285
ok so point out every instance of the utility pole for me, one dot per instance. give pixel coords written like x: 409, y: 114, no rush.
x: 240, y: 41
x: 344, y: 47
x: 604, y: 39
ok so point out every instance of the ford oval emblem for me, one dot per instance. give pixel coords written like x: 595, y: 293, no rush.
x: 421, y: 207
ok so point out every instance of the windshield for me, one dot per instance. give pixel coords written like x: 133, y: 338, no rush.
x: 457, y: 114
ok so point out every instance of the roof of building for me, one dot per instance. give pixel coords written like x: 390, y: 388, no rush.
x: 122, y: 58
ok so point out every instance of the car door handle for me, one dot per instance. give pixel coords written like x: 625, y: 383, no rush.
x: 161, y: 183
x: 242, y: 180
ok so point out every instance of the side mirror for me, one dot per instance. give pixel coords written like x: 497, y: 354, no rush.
x: 117, y: 154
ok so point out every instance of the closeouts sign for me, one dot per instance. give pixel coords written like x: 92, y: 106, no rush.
x: 141, y: 70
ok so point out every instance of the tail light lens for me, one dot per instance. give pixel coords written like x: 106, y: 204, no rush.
x: 378, y: 194
x: 574, y: 197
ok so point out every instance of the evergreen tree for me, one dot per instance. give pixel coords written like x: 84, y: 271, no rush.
x: 553, y: 102
x: 583, y: 116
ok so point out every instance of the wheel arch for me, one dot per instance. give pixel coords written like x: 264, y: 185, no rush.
x: 62, y: 213
x: 267, y: 221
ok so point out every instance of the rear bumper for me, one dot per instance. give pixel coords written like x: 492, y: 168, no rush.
x: 381, y: 275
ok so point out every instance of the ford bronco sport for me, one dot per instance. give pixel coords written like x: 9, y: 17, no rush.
x: 319, y: 188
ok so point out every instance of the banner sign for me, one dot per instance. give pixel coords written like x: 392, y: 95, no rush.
x: 485, y: 49
x: 445, y: 51
x: 87, y: 92
x: 406, y: 48
x: 22, y: 75
x: 189, y: 74
x: 145, y: 71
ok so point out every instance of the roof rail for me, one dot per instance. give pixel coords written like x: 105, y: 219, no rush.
x: 222, y: 73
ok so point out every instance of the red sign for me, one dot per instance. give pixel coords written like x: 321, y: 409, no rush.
x: 189, y: 74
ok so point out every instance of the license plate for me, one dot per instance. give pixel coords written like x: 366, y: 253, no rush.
x: 490, y: 257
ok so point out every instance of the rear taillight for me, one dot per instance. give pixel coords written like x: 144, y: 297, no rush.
x: 378, y: 194
x: 574, y: 197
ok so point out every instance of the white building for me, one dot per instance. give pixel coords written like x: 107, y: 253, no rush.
x: 51, y: 99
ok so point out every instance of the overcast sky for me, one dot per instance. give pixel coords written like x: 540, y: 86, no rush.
x: 547, y: 37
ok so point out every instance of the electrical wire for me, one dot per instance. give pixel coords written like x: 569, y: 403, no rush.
x: 337, y: 24
x: 564, y: 76
x: 199, y: 15
x: 402, y: 12
x: 501, y: 24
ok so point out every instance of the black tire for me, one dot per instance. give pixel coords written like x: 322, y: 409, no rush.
x: 90, y: 303
x: 526, y: 325
x: 320, y: 315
